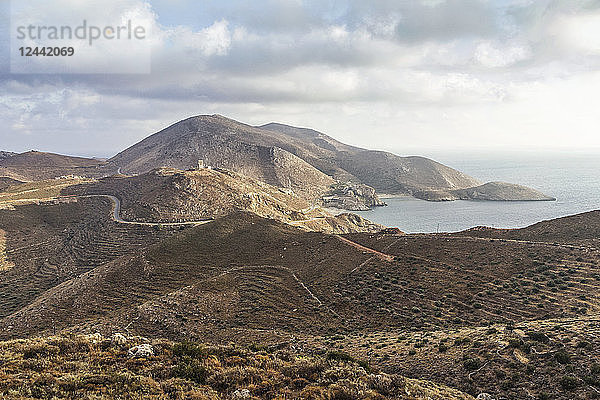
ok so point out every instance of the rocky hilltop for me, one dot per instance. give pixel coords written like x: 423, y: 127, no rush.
x: 223, y: 143
x: 169, y: 195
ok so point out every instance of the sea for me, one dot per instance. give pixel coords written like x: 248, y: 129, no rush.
x: 573, y: 178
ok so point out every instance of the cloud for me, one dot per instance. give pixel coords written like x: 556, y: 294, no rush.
x: 449, y: 71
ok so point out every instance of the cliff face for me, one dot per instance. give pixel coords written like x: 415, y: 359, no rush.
x: 352, y: 196
x: 384, y: 171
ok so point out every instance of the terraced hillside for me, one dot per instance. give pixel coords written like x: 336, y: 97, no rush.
x: 365, y: 281
x: 546, y: 359
x: 5, y: 182
x: 33, y: 192
x: 215, y: 250
x: 513, y: 316
x: 457, y: 281
x: 50, y: 243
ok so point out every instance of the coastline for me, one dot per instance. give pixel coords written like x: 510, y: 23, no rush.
x: 395, y: 196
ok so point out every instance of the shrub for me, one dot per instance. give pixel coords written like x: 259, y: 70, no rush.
x: 340, y: 356
x: 191, y: 369
x: 190, y: 349
x: 569, y: 382
x: 40, y: 350
x: 514, y: 342
x: 562, y: 357
x: 592, y: 380
x: 471, y: 364
x: 538, y: 337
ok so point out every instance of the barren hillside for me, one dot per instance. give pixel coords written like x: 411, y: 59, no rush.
x: 36, y: 165
x: 169, y: 195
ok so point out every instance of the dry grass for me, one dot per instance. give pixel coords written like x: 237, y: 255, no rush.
x: 5, y: 265
x: 91, y: 367
x: 559, y: 358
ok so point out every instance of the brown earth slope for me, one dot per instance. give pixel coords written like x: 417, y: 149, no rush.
x: 386, y: 172
x: 224, y: 143
x: 417, y: 304
x: 580, y: 229
x: 251, y: 273
x: 36, y: 165
x: 47, y: 244
x: 169, y: 195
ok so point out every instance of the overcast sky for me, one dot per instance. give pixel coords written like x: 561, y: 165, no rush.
x: 402, y: 75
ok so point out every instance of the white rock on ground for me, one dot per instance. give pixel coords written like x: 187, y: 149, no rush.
x: 142, y: 350
x: 241, y: 394
x: 118, y: 339
x: 94, y: 337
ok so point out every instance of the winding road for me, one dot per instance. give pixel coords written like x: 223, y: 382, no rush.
x: 116, y: 214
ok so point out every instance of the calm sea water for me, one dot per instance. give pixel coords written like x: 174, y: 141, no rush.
x: 574, y: 179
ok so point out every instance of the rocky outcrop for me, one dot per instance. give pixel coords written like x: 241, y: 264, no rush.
x: 352, y: 196
x: 492, y: 191
x: 6, y: 154
x: 141, y: 351
x: 168, y: 195
x: 342, y: 223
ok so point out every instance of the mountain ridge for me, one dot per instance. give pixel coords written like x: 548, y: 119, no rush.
x: 313, y: 158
